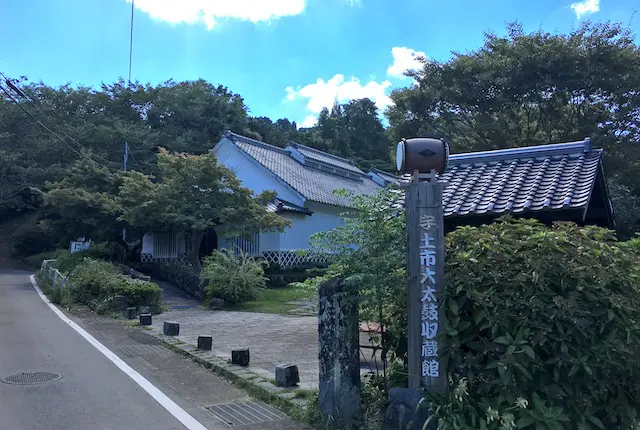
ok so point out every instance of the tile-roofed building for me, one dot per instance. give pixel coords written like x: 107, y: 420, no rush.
x: 313, y: 174
x: 563, y: 181
x: 555, y: 182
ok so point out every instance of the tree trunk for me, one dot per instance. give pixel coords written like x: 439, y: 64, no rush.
x: 194, y: 252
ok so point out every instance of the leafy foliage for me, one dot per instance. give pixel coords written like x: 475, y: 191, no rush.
x: 83, y: 204
x: 33, y: 238
x: 196, y: 193
x: 95, y: 282
x: 68, y: 261
x: 234, y: 278
x: 369, y: 250
x: 35, y: 260
x: 546, y: 314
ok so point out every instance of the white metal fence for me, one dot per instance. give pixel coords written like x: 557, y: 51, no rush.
x: 53, y: 274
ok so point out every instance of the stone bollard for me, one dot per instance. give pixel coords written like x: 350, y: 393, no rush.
x: 338, y: 346
x: 287, y: 375
x: 132, y: 313
x: 205, y: 342
x: 171, y: 328
x: 145, y: 319
x: 119, y: 302
x: 240, y: 357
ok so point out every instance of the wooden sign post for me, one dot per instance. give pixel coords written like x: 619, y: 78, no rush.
x: 425, y: 226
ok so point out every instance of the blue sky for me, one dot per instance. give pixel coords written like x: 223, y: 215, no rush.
x: 287, y: 58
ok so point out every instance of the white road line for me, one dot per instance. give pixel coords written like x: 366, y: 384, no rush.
x: 180, y: 414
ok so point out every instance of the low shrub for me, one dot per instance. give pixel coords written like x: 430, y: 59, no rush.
x: 234, y: 278
x: 57, y: 295
x: 67, y: 260
x: 95, y: 283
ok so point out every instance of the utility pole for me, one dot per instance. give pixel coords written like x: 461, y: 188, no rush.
x: 124, y: 169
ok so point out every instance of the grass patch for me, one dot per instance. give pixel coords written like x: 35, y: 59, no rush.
x: 275, y: 300
x: 304, y: 394
x: 56, y: 295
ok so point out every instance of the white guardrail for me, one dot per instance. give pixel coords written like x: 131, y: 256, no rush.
x: 53, y: 274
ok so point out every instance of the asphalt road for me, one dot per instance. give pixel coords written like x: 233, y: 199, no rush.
x: 93, y: 393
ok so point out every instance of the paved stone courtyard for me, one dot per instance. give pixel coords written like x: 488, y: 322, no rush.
x: 272, y: 339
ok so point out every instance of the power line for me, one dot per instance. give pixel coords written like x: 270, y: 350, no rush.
x: 38, y: 121
x: 35, y: 106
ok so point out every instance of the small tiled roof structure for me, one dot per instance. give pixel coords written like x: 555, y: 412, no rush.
x: 313, y: 174
x: 383, y: 178
x: 279, y: 206
x: 554, y: 182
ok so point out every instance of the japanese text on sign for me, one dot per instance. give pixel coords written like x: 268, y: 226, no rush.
x: 429, y: 314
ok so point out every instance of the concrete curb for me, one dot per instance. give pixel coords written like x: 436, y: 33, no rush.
x: 255, y: 384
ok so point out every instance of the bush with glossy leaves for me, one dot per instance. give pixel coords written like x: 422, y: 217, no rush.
x: 542, y: 317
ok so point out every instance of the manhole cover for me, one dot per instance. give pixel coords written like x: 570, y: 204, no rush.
x: 30, y: 378
x: 238, y: 414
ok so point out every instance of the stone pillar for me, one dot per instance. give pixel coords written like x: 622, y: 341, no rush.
x: 338, y: 348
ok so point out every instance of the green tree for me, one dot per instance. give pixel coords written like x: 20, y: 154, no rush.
x: 192, y: 116
x: 369, y: 250
x: 277, y: 133
x: 195, y: 194
x: 366, y: 136
x: 83, y: 204
x: 533, y: 88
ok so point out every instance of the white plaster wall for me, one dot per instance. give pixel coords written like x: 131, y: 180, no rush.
x: 252, y: 174
x: 269, y: 241
x: 325, y: 217
x: 147, y: 243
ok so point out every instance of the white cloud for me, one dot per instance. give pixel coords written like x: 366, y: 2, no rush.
x: 291, y: 93
x: 323, y: 94
x: 210, y: 12
x: 309, y: 121
x: 405, y: 59
x: 585, y: 7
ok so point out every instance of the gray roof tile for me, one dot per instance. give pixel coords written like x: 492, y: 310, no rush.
x: 537, y: 178
x: 313, y: 184
x: 326, y: 158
